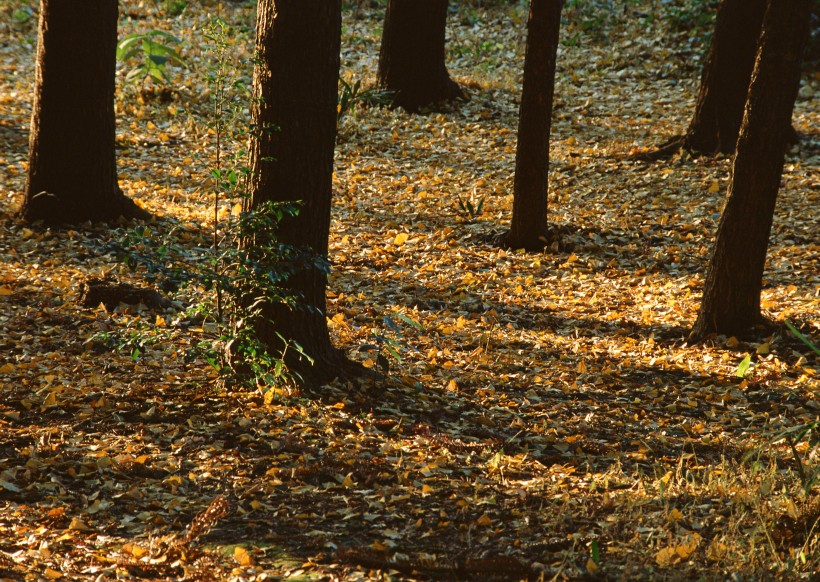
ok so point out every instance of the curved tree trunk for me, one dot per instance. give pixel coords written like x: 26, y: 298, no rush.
x: 72, y: 174
x: 734, y: 279
x: 725, y: 80
x: 295, y: 84
x: 412, y: 55
x: 528, y: 229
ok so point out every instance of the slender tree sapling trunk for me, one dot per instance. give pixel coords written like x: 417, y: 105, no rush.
x: 528, y: 229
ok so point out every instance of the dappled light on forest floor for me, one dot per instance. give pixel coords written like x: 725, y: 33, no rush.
x: 546, y: 417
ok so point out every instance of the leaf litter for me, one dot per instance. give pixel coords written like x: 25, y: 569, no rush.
x: 545, y: 418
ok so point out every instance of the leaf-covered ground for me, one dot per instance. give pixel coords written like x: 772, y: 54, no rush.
x: 549, y: 419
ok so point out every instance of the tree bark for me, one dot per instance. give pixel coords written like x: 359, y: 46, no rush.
x: 72, y: 174
x: 734, y: 278
x: 295, y: 92
x: 412, y: 55
x: 528, y: 229
x: 725, y: 80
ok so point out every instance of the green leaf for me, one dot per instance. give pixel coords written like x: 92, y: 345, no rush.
x: 134, y: 74
x: 410, y: 320
x: 392, y: 351
x: 743, y: 367
x: 156, y: 48
x: 802, y: 338
x: 129, y: 43
x: 159, y: 60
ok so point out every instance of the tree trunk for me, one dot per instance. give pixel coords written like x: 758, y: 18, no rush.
x: 411, y: 59
x: 528, y: 229
x: 295, y: 85
x: 725, y: 80
x: 734, y: 279
x: 72, y: 174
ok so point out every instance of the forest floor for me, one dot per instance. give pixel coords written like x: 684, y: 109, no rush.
x: 548, y: 418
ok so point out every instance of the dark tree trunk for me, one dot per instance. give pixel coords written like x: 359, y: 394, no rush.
x: 411, y: 59
x: 295, y: 84
x: 734, y: 279
x: 72, y: 174
x: 725, y: 80
x: 528, y: 229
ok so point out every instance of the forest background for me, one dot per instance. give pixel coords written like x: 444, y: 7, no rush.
x: 546, y: 418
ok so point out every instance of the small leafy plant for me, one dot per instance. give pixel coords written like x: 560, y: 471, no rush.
x: 389, y: 342
x: 352, y: 95
x: 229, y: 271
x: 174, y: 7
x: 152, y: 52
x: 135, y: 339
x: 470, y: 208
x: 794, y: 436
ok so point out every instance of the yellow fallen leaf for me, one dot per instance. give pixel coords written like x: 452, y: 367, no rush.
x: 378, y: 546
x: 425, y: 489
x: 716, y: 551
x: 714, y: 187
x: 401, y: 238
x: 582, y: 367
x: 50, y: 400
x: 592, y: 567
x: 666, y: 556
x: 7, y: 368
x: 242, y: 556
x: 134, y: 550
x: 763, y: 349
x: 348, y: 482
x: 52, y: 574
x: 685, y: 550
x: 484, y: 520
x: 5, y: 291
x: 78, y: 525
x: 675, y: 515
x: 56, y: 513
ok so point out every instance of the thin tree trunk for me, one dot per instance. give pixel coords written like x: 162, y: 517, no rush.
x: 529, y: 228
x: 412, y: 55
x: 72, y: 174
x: 295, y: 85
x: 734, y: 279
